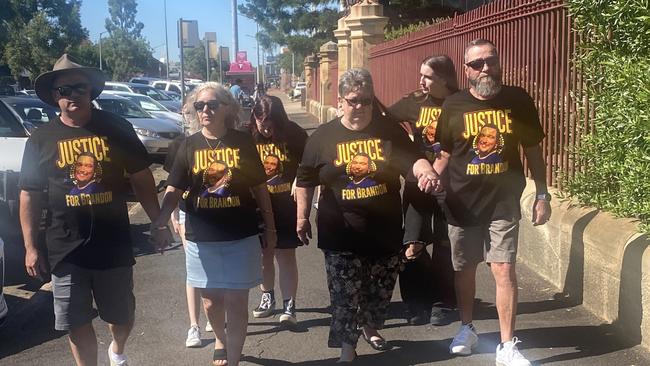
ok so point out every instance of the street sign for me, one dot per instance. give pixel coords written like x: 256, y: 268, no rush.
x: 189, y: 35
x: 211, y: 40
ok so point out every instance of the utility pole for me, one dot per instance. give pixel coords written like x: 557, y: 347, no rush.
x: 166, y: 44
x: 100, y: 50
x: 235, y: 37
x: 207, y: 59
x: 220, y: 65
x: 182, y: 76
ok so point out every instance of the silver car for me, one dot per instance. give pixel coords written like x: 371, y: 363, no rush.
x: 150, y: 105
x: 3, y: 304
x: 155, y: 133
x: 148, y: 90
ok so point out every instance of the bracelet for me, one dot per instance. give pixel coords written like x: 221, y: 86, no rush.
x: 161, y: 228
x: 303, y: 219
x: 271, y: 230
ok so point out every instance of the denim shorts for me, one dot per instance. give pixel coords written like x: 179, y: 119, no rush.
x: 235, y: 264
x: 75, y: 288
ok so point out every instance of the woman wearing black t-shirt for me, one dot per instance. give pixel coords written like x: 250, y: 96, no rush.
x: 280, y: 143
x: 358, y: 159
x: 426, y: 283
x: 223, y: 255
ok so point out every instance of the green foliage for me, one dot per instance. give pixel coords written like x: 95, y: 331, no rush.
x: 125, y: 52
x: 35, y: 33
x: 302, y: 25
x: 402, y: 30
x: 615, y: 157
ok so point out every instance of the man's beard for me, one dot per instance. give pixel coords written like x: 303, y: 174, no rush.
x: 487, y: 86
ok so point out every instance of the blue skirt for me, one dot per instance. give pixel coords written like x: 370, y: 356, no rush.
x: 235, y: 264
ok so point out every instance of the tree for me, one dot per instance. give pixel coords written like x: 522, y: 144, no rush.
x: 195, y: 61
x: 35, y: 33
x: 302, y: 25
x: 127, y: 53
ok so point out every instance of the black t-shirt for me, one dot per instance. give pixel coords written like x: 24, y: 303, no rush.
x: 172, y: 151
x: 83, y: 170
x: 219, y: 175
x: 421, y: 111
x: 485, y: 174
x: 280, y: 157
x: 359, y: 208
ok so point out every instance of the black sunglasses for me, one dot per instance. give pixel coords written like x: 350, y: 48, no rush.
x: 212, y: 105
x: 66, y: 90
x: 480, y: 62
x: 355, y: 102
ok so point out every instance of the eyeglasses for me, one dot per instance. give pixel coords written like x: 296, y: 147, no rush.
x: 479, y: 63
x: 66, y: 90
x: 355, y: 102
x: 212, y: 105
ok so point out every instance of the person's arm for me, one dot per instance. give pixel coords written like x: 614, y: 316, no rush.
x: 304, y: 197
x: 441, y: 162
x: 143, y: 186
x: 30, y: 216
x: 169, y: 204
x: 263, y: 200
x: 537, y: 166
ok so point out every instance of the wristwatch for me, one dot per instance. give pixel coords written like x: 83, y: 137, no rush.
x: 543, y: 197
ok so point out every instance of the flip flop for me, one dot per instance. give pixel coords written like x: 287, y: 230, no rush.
x: 219, y: 355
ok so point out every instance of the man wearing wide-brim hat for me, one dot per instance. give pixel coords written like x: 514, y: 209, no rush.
x: 89, y: 251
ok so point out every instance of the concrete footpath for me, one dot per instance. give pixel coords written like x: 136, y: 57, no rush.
x: 553, y: 331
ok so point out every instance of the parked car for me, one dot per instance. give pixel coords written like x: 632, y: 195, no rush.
x: 174, y: 86
x: 297, y: 90
x: 150, y: 105
x: 29, y: 92
x: 155, y: 133
x: 175, y: 96
x: 3, y: 305
x: 155, y: 94
x: 13, y: 136
x: 143, y: 80
x: 32, y: 111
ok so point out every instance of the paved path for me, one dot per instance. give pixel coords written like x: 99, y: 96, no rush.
x: 553, y: 331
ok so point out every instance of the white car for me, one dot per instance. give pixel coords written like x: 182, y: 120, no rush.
x: 150, y: 105
x: 297, y: 90
x: 148, y: 90
x: 173, y: 86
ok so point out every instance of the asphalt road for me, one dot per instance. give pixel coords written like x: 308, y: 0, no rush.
x: 553, y: 331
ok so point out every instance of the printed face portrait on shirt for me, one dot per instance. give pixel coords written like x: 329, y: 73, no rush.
x: 429, y: 133
x: 217, y: 176
x: 85, y: 170
x: 360, y: 167
x: 272, y: 165
x: 488, y: 141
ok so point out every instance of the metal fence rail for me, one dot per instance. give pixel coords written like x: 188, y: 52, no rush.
x: 536, y: 46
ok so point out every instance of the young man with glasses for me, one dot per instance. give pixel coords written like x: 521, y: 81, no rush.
x: 483, y: 196
x: 89, y: 251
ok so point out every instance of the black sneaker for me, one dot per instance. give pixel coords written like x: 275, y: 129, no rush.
x: 267, y: 306
x: 441, y: 315
x: 288, y: 317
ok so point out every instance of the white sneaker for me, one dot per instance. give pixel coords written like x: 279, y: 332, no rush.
x: 193, y: 337
x: 288, y: 317
x: 208, y: 327
x: 115, y: 359
x: 508, y: 354
x: 464, y: 341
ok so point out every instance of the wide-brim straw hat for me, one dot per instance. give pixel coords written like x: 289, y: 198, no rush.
x: 43, y: 83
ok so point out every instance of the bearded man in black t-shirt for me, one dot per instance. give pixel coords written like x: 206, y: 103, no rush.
x: 89, y: 252
x: 480, y: 131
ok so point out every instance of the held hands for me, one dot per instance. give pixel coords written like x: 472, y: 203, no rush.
x: 303, y: 229
x: 541, y: 212
x: 161, y: 237
x: 429, y: 182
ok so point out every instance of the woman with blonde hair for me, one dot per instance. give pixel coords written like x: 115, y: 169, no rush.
x: 223, y: 254
x: 191, y: 126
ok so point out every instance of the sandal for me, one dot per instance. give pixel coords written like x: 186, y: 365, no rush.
x: 219, y: 355
x: 378, y: 344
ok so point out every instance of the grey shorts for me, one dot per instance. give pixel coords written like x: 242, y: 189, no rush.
x: 75, y: 288
x: 495, y: 242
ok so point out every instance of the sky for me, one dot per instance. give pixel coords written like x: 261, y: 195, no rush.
x: 212, y: 16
